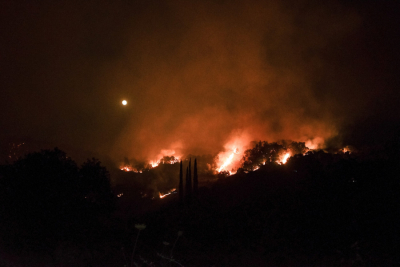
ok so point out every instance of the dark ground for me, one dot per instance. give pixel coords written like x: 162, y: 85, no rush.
x: 320, y: 209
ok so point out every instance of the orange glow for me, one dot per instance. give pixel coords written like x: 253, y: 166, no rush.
x: 163, y: 158
x: 154, y: 164
x: 126, y: 168
x: 169, y: 153
x: 167, y: 194
x: 315, y: 143
x: 346, y: 149
x: 285, y: 158
x: 228, y: 161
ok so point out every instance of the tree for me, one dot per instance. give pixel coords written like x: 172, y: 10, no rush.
x: 195, y: 180
x: 94, y: 184
x: 188, y: 184
x: 42, y: 199
x: 180, y: 183
x: 190, y: 177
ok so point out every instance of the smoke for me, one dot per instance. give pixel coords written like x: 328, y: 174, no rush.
x: 198, y: 73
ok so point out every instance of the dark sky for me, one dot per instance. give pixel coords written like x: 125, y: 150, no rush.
x: 197, y: 74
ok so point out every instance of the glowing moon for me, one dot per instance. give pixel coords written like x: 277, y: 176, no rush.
x: 124, y: 102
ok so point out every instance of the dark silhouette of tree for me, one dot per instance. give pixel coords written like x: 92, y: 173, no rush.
x: 190, y: 174
x: 195, y: 180
x: 42, y: 199
x: 180, y: 184
x: 47, y: 198
x: 188, y: 184
x: 94, y: 184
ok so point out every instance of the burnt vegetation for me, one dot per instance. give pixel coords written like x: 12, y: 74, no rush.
x: 320, y: 208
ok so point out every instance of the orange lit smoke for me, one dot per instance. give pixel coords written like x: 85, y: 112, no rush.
x: 316, y: 143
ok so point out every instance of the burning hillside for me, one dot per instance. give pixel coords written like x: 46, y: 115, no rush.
x: 234, y: 157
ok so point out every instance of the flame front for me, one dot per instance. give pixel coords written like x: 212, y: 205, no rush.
x: 164, y: 158
x: 154, y: 163
x: 285, y: 158
x: 167, y: 194
x: 227, y: 162
x: 126, y: 168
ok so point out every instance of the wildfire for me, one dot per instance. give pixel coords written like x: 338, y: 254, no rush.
x: 173, y: 190
x: 229, y: 159
x: 315, y: 143
x: 163, y: 159
x: 126, y: 168
x: 283, y: 159
x: 346, y: 149
x: 154, y: 164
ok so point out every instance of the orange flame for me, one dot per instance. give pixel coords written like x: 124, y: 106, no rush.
x: 228, y: 161
x: 154, y: 164
x: 167, y: 194
x: 346, y: 149
x: 283, y: 159
x: 126, y: 168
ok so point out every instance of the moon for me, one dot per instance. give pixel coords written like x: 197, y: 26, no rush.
x: 124, y: 102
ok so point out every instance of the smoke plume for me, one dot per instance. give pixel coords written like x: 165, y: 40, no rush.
x: 202, y: 75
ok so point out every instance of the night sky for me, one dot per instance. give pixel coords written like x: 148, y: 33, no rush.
x: 197, y: 74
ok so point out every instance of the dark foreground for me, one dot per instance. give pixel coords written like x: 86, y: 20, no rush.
x: 317, y: 210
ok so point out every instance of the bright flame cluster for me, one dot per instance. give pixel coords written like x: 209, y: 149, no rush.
x: 127, y: 168
x: 154, y: 163
x: 173, y: 190
x: 228, y: 161
x: 284, y: 159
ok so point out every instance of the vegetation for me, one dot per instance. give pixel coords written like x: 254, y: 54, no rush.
x: 318, y: 209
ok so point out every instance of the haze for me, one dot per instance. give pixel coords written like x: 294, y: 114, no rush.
x: 197, y: 75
